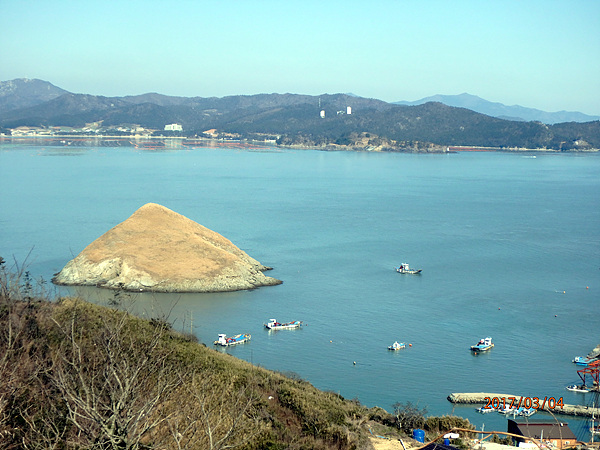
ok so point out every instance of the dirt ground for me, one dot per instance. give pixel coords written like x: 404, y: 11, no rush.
x: 388, y: 444
x: 394, y: 444
x: 385, y: 444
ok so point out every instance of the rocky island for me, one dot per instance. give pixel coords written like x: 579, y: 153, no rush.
x: 159, y: 250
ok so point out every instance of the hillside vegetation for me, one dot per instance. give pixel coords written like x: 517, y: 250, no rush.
x: 296, y: 120
x: 81, y: 376
x: 78, y: 375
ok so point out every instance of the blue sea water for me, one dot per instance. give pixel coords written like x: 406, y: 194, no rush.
x: 509, y: 246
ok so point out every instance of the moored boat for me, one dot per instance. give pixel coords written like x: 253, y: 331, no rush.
x: 484, y: 410
x: 526, y: 412
x: 405, y: 268
x: 233, y: 340
x: 577, y: 388
x: 274, y: 325
x: 507, y: 410
x: 584, y: 360
x: 483, y: 345
x: 397, y: 346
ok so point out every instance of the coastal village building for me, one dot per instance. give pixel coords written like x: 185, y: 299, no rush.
x: 30, y: 131
x: 212, y: 133
x: 173, y: 127
x: 555, y: 434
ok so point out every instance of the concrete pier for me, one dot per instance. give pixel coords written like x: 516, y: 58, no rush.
x: 552, y: 405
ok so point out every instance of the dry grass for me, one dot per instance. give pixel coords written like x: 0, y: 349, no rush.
x: 159, y: 247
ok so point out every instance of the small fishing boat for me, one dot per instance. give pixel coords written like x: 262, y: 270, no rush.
x: 584, y: 360
x: 483, y: 345
x: 577, y: 388
x: 526, y: 412
x: 274, y: 325
x: 405, y: 268
x: 397, y: 346
x: 507, y: 410
x: 233, y: 340
x: 483, y: 410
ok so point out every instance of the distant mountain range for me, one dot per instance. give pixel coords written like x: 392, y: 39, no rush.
x: 291, y: 119
x: 501, y: 111
x: 23, y: 93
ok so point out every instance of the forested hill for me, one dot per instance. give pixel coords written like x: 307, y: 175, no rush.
x: 292, y: 119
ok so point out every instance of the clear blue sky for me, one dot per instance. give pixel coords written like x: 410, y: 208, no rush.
x: 542, y: 54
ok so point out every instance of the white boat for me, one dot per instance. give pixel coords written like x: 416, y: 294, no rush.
x: 483, y: 345
x: 397, y: 346
x: 526, y: 412
x: 577, y: 388
x: 483, y: 410
x: 274, y: 325
x: 225, y: 341
x: 584, y: 360
x: 405, y: 268
x: 507, y: 410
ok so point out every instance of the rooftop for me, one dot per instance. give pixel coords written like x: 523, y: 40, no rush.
x: 542, y: 429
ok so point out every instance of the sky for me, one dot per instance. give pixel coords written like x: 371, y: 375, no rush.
x: 542, y: 54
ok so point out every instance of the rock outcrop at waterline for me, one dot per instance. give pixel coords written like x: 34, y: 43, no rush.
x: 595, y: 353
x: 159, y: 250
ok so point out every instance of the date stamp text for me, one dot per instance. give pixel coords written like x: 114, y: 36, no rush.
x: 505, y: 403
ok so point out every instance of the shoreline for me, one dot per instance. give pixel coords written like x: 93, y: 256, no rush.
x: 69, y: 139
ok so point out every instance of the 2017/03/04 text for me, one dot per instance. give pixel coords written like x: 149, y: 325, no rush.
x: 525, y: 402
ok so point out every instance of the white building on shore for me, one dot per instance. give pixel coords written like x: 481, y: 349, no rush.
x: 173, y: 127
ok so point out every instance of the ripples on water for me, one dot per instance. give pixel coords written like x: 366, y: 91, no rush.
x: 499, y: 238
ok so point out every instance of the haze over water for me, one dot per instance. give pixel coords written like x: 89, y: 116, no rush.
x: 509, y: 246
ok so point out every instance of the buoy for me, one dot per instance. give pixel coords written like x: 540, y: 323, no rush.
x: 564, y: 292
x: 587, y: 287
x: 410, y: 345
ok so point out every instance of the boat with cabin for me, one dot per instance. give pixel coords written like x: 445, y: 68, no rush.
x: 397, y: 346
x: 507, y: 410
x: 526, y: 412
x: 584, y: 360
x: 405, y: 268
x: 578, y: 388
x: 225, y: 341
x: 484, y: 410
x: 274, y: 325
x: 483, y: 345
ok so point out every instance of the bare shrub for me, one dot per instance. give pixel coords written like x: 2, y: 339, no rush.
x: 409, y: 416
x: 113, y: 373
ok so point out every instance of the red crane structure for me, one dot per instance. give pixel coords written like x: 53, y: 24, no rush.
x: 593, y: 370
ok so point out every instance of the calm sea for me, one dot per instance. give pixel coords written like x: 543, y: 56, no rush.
x: 509, y: 245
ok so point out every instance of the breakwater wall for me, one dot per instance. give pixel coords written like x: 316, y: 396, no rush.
x: 552, y: 405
